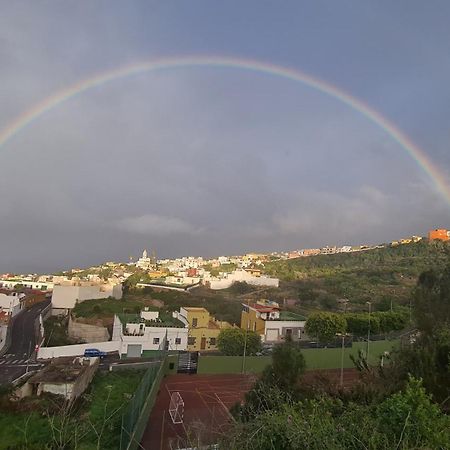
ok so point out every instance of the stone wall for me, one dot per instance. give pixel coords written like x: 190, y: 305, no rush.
x: 80, y: 331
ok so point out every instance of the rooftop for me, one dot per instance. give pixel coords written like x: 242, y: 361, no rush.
x: 61, y: 370
x: 164, y: 320
x: 287, y: 315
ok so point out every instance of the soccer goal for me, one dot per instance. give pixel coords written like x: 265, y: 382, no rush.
x: 176, y: 407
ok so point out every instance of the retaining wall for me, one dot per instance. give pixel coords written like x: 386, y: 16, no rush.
x: 78, y: 349
x: 86, y: 332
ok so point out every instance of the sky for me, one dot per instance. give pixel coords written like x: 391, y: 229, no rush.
x: 210, y: 161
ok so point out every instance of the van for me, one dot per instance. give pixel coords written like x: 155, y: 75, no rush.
x: 94, y: 352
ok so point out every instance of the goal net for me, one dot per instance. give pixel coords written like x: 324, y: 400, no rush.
x: 176, y: 407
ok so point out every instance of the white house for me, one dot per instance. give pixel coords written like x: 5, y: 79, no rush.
x: 11, y: 303
x: 243, y: 276
x: 138, y: 334
x: 66, y: 295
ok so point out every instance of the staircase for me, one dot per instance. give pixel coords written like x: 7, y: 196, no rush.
x: 187, y: 362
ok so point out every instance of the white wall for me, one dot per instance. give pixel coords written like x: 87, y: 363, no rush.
x: 280, y: 325
x: 11, y: 303
x: 242, y: 275
x: 66, y: 296
x: 78, y: 349
x: 159, y: 333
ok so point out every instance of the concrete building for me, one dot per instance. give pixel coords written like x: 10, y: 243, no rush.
x: 265, y: 318
x: 149, y: 331
x: 67, y: 294
x: 11, y: 303
x: 203, y: 328
x: 68, y: 377
x: 240, y: 275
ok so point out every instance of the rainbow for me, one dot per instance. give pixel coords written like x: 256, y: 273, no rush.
x: 438, y: 178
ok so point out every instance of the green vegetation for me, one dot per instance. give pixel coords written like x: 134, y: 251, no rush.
x: 315, y: 358
x: 236, y: 341
x: 134, y: 300
x: 55, y: 332
x: 383, y: 276
x: 324, y: 326
x: 406, y: 420
x: 398, y: 404
x: 93, y: 422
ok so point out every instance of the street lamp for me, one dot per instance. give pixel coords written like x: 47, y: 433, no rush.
x: 368, y: 332
x: 343, y: 336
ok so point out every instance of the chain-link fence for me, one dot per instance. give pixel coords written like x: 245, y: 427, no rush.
x: 135, y: 417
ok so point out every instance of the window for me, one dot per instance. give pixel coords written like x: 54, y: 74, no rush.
x: 212, y: 341
x: 191, y: 340
x: 156, y: 340
x: 194, y: 322
x: 254, y: 326
x: 177, y: 341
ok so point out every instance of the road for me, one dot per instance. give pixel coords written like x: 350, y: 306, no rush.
x: 18, y: 359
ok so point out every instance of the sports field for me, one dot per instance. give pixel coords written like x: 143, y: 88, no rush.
x: 316, y: 358
x: 205, y: 414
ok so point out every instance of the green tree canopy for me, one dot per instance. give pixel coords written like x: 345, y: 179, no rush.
x: 325, y: 325
x: 232, y: 341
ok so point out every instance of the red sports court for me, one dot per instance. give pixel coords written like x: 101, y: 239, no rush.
x: 198, y: 414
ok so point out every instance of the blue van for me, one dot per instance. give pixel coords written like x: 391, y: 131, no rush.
x: 94, y: 352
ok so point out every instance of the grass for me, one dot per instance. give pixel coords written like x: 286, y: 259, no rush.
x: 107, y: 396
x: 320, y: 358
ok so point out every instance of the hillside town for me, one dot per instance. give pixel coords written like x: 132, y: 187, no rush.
x: 34, y: 309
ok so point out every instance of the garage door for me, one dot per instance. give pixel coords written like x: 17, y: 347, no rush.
x: 271, y: 334
x: 134, y: 350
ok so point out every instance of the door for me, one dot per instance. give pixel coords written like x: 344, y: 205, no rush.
x: 134, y: 350
x: 203, y: 344
x: 272, y: 334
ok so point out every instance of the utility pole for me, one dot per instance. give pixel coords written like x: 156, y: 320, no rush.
x: 245, y: 338
x: 368, y: 333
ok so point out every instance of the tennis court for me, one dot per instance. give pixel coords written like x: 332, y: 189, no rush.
x: 203, y: 417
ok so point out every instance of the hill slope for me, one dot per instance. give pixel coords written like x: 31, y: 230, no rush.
x: 380, y: 275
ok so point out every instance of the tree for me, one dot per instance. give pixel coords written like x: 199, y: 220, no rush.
x: 325, y: 325
x: 288, y: 364
x: 232, y: 341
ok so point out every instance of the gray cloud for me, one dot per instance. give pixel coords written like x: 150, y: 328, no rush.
x: 213, y: 161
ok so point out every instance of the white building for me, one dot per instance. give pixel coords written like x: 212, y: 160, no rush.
x: 145, y: 262
x: 138, y: 334
x: 66, y: 295
x: 40, y: 285
x: 11, y: 303
x: 242, y: 276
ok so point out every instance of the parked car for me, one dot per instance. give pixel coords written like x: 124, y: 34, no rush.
x: 94, y: 352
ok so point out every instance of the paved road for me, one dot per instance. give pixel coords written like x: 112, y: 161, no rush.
x: 18, y: 358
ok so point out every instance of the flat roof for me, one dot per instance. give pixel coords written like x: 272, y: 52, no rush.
x: 194, y: 308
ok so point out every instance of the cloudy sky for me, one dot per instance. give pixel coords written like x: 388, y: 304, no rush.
x: 207, y: 160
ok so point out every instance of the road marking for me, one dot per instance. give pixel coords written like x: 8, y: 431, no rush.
x: 15, y: 361
x: 3, y: 361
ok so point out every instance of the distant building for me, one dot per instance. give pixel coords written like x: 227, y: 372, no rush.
x: 67, y: 294
x: 11, y: 303
x: 144, y: 262
x: 439, y: 234
x: 241, y: 276
x: 203, y: 328
x: 265, y: 318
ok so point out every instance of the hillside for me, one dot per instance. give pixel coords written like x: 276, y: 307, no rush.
x: 380, y: 275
